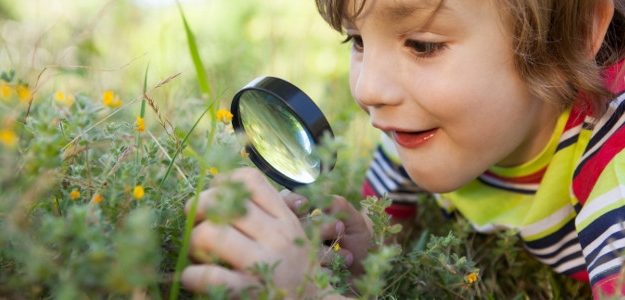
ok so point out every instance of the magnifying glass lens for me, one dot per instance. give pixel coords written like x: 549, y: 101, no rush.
x: 278, y: 136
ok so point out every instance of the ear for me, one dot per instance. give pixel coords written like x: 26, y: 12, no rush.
x: 602, y: 18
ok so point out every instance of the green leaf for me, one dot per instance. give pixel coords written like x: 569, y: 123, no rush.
x: 195, y: 56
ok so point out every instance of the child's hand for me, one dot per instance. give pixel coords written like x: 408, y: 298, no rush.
x: 353, y: 231
x: 267, y: 233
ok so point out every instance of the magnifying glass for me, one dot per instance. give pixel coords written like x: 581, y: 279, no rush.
x: 282, y: 127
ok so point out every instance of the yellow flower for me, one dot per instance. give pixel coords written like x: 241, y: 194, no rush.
x: 336, y: 247
x: 6, y: 90
x: 244, y: 153
x: 23, y: 92
x: 140, y: 124
x: 65, y: 100
x: 213, y: 170
x: 138, y: 192
x: 110, y: 99
x: 74, y: 194
x: 224, y: 116
x: 97, y: 198
x: 471, y: 278
x: 8, y: 137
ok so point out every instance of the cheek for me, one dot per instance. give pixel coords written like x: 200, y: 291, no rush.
x: 480, y: 100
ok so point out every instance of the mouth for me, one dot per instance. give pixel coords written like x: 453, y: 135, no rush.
x: 408, y: 139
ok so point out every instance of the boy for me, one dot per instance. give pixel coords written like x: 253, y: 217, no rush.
x: 508, y: 110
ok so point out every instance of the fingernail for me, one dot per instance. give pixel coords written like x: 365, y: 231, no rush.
x: 340, y: 228
x: 349, y: 259
x: 297, y: 205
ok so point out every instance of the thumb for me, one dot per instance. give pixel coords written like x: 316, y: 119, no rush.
x: 353, y: 219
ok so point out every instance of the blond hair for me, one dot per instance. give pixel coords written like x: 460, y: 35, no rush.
x: 552, y: 39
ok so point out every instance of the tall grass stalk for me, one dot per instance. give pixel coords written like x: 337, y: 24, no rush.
x: 184, y: 250
x: 204, y: 88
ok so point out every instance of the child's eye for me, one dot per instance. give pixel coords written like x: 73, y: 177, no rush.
x: 356, y: 40
x: 425, y: 49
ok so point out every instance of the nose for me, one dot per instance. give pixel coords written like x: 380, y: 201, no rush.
x: 375, y: 80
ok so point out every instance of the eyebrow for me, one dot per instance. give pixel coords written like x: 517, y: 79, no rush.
x: 400, y: 12
x: 403, y: 10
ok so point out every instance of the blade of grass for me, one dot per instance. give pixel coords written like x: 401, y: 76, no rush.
x: 195, y: 56
x: 204, y: 88
x: 142, y: 114
x: 145, y: 89
x: 206, y: 91
x: 199, y: 69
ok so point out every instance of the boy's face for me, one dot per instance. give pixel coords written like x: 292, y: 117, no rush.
x: 445, y: 88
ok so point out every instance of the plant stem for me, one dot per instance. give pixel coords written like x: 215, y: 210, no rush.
x: 182, y: 255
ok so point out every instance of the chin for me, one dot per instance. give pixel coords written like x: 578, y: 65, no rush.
x: 439, y: 184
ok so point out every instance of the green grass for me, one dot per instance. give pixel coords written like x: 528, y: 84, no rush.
x: 175, y: 71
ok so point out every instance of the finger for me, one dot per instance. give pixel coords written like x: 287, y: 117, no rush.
x: 258, y: 225
x: 296, y: 202
x: 332, y: 231
x: 205, y: 200
x: 200, y: 278
x: 343, y: 210
x: 262, y: 192
x: 224, y: 242
x: 209, y: 196
x: 357, y: 235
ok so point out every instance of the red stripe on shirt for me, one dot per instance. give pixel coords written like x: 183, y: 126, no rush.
x: 585, y: 180
x: 576, y: 117
x: 533, y: 178
x: 396, y: 210
x: 613, y: 77
x: 581, y: 276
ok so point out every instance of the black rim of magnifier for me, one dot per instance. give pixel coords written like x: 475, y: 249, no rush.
x: 302, y: 107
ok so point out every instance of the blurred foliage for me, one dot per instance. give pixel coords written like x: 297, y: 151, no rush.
x: 88, y: 208
x: 108, y: 44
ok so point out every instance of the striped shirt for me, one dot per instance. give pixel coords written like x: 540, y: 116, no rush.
x: 568, y: 203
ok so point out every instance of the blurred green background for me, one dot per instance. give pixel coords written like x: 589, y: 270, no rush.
x: 93, y: 46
